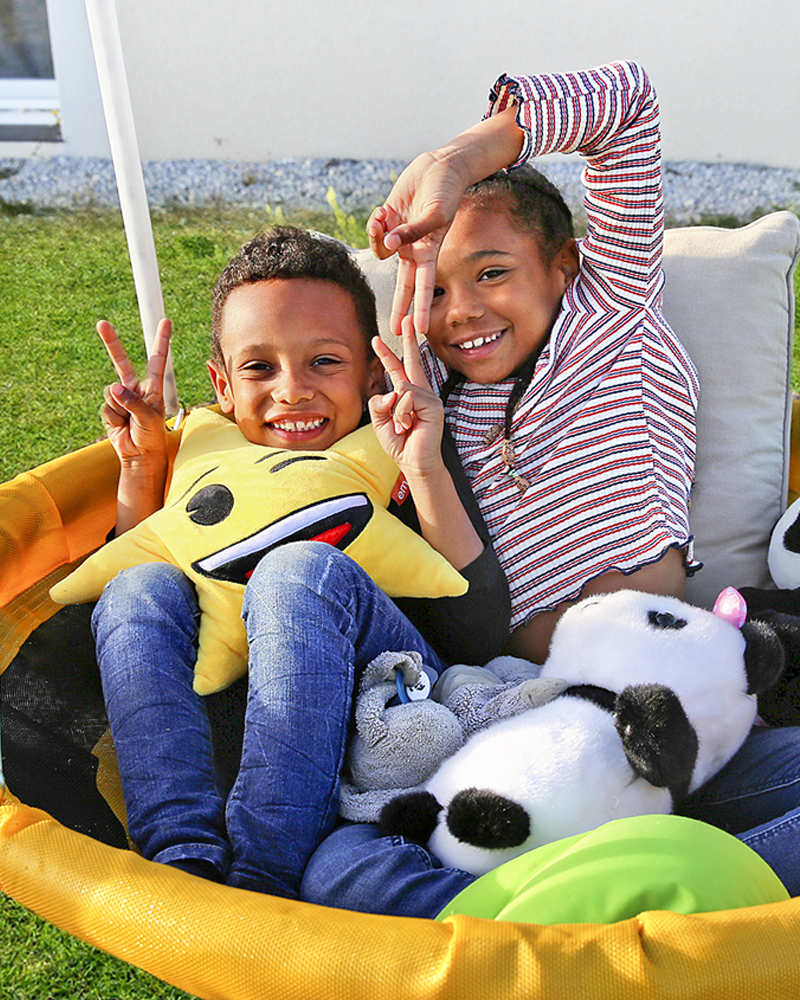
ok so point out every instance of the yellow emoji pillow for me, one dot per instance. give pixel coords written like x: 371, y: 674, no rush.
x: 230, y: 502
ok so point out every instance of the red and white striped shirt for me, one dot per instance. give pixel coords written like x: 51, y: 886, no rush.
x: 605, y: 433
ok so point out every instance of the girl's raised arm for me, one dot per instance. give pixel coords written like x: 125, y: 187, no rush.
x: 423, y: 203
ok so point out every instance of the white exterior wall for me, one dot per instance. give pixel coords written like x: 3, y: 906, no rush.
x: 263, y: 79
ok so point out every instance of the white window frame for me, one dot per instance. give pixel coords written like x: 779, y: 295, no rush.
x: 29, y: 102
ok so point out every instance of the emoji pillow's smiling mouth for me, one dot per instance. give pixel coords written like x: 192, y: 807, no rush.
x: 338, y: 521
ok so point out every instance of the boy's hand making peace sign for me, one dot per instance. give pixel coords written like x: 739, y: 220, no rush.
x: 133, y: 411
x: 133, y: 416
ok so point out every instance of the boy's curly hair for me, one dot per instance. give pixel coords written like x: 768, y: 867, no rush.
x: 535, y: 205
x: 287, y: 252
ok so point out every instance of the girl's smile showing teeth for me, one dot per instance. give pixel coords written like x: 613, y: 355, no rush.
x: 470, y: 345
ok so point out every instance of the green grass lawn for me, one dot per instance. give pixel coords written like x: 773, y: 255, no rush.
x: 59, y: 273
x: 40, y: 962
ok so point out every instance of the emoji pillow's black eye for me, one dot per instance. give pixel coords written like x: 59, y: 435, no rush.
x: 663, y: 619
x: 210, y: 505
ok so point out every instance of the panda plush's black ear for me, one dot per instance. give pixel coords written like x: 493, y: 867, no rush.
x: 413, y: 816
x: 764, y: 658
x: 772, y: 660
x: 758, y: 599
x: 657, y: 737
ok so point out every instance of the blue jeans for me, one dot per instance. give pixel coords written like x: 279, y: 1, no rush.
x: 314, y: 620
x: 756, y: 796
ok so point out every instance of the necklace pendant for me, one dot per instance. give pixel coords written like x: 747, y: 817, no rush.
x: 492, y: 434
x: 521, y: 482
x: 508, y: 453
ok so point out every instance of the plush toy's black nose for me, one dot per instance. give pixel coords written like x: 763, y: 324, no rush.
x: 483, y: 818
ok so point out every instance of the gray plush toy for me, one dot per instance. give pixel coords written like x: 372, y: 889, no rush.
x: 399, y: 746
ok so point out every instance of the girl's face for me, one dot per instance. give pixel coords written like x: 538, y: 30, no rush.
x: 495, y: 298
x: 297, y: 365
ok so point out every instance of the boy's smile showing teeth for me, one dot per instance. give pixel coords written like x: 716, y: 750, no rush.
x: 297, y: 426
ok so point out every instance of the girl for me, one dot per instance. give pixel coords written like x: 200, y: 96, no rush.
x: 572, y: 406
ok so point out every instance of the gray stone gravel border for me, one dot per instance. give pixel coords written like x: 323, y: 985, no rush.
x: 693, y: 192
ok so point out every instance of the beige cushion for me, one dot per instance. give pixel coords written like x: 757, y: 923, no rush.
x: 729, y: 297
x: 381, y: 274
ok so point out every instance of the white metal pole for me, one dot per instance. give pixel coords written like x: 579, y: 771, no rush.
x: 104, y: 29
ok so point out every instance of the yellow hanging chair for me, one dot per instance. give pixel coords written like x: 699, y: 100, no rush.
x: 729, y: 297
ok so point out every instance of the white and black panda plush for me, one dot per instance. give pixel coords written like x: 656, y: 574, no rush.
x: 783, y: 556
x: 780, y: 609
x: 661, y: 695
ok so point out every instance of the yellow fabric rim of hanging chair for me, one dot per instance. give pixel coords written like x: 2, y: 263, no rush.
x: 218, y: 942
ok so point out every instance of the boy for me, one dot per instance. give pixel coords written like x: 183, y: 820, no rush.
x: 292, y: 318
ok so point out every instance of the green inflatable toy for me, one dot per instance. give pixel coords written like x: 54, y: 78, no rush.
x: 622, y: 869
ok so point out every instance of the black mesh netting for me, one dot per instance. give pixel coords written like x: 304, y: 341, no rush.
x: 52, y: 717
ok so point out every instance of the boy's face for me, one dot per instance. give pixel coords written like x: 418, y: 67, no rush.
x: 297, y: 366
x: 495, y: 298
